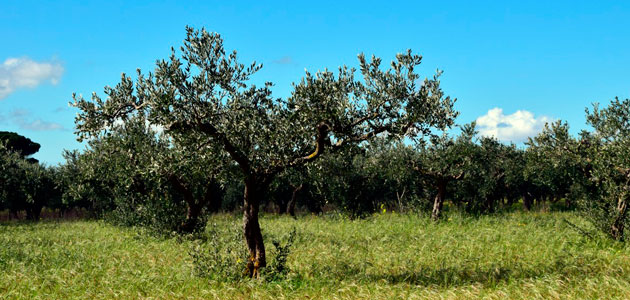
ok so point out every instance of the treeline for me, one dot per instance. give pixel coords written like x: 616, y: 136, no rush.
x: 135, y: 175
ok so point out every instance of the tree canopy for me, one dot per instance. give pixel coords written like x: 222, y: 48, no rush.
x: 207, y: 92
x: 22, y: 145
x: 610, y: 159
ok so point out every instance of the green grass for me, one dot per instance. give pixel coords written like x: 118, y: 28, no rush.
x: 390, y: 256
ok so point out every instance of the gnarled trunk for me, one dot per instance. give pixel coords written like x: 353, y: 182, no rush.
x: 439, y: 200
x: 254, y: 191
x: 193, y: 209
x: 194, y: 206
x: 616, y: 229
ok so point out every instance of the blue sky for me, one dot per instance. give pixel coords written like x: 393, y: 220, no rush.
x: 512, y: 64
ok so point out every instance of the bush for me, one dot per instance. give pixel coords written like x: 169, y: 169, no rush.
x: 278, y: 269
x: 222, y: 256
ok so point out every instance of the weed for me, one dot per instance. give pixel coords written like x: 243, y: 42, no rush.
x: 278, y: 268
x: 221, y: 256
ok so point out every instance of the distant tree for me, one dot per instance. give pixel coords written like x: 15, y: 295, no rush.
x: 553, y: 163
x: 72, y: 180
x: 516, y: 185
x: 206, y: 92
x: 10, y: 177
x: 492, y: 162
x: 337, y: 181
x: 22, y: 145
x: 442, y: 160
x: 196, y: 174
x: 112, y: 173
x: 287, y: 188
x: 25, y: 186
x: 386, y: 165
x: 146, y: 178
x: 41, y: 189
x: 348, y: 182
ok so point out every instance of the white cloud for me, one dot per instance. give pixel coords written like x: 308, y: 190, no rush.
x: 18, y: 73
x: 39, y: 125
x: 515, y: 127
x: 22, y: 118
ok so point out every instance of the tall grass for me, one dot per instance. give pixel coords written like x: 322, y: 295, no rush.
x: 388, y: 256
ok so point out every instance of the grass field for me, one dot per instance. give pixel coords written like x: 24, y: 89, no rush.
x: 389, y: 256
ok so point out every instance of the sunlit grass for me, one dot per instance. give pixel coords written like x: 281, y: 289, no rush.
x: 389, y: 256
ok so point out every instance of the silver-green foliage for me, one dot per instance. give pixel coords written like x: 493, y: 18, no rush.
x: 207, y: 92
x: 610, y: 159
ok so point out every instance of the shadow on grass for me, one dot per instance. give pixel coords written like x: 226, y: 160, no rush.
x: 489, y: 275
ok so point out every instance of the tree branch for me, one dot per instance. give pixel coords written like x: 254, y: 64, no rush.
x: 209, y: 129
x: 321, y: 141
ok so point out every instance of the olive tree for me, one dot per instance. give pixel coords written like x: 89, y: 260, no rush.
x: 137, y: 176
x: 206, y: 91
x: 516, y: 186
x: 386, y: 166
x: 554, y: 163
x: 442, y: 160
x: 112, y: 172
x: 610, y: 157
x: 11, y: 176
x: 287, y: 188
x: 194, y: 173
x: 25, y: 185
x: 492, y: 174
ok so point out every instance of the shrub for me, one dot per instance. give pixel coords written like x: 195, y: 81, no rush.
x: 222, y: 256
x: 278, y: 269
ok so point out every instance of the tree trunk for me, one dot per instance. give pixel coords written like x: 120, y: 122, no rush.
x: 282, y: 204
x: 254, y: 191
x: 13, y: 214
x: 291, y: 205
x: 489, y: 204
x: 527, y: 201
x: 193, y: 210
x: 509, y: 201
x: 616, y: 229
x: 213, y: 196
x: 439, y: 200
x: 399, y: 199
x: 193, y: 207
x: 192, y: 217
x: 33, y: 212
